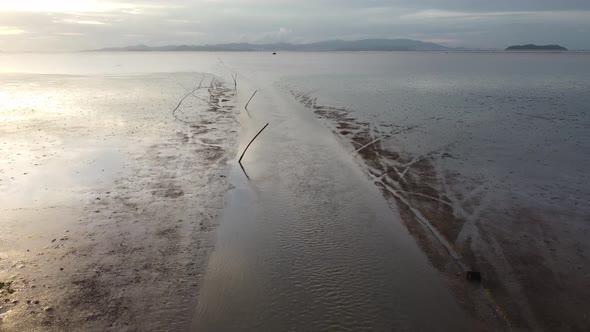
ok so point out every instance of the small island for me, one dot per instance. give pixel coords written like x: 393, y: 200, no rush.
x: 532, y: 47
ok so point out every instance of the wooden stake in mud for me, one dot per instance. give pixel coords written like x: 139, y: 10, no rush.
x: 183, y: 98
x: 235, y: 78
x: 249, y: 100
x: 246, y: 149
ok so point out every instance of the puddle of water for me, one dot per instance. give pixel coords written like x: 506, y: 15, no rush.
x: 60, y: 180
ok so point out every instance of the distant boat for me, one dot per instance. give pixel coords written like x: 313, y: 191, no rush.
x: 274, y: 53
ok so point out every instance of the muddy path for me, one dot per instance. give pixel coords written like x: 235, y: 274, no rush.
x: 526, y: 253
x: 109, y: 200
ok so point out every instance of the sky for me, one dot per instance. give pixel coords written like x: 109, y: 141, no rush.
x: 69, y: 25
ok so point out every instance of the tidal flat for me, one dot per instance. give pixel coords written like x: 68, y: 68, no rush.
x: 381, y: 179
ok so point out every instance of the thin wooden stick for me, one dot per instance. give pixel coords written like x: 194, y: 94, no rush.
x: 246, y: 149
x: 178, y: 106
x: 235, y: 78
x: 249, y: 100
x: 183, y: 98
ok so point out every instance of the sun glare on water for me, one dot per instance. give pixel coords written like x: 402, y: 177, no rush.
x: 57, y: 5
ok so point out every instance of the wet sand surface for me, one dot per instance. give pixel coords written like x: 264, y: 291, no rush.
x: 307, y: 243
x: 107, y: 201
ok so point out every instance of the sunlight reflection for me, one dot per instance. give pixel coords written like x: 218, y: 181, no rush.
x: 16, y: 106
x: 60, y: 5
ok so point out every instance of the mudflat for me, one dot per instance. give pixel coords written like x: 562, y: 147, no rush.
x: 108, y: 200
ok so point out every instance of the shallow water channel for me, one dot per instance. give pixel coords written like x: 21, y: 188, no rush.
x: 309, y: 243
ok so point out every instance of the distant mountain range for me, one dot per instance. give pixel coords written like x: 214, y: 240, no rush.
x: 332, y: 45
x: 532, y: 47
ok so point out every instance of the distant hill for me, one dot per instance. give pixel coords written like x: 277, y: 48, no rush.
x: 531, y: 47
x: 332, y: 45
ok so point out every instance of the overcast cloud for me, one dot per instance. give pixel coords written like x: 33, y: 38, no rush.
x: 61, y: 25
